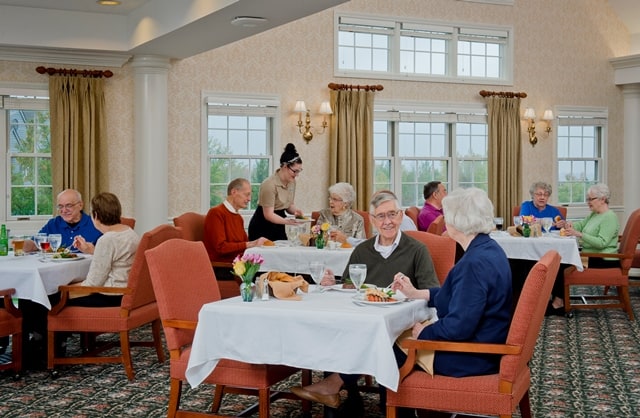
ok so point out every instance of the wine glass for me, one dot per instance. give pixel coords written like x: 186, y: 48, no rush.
x: 358, y: 274
x: 42, y: 242
x: 55, y: 240
x: 499, y: 222
x: 546, y: 224
x: 316, y: 270
x: 517, y: 221
x: 292, y: 233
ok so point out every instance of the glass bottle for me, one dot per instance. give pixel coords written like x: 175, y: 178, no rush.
x: 526, y: 230
x: 4, y: 241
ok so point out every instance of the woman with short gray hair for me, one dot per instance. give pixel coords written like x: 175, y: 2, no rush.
x: 347, y: 222
x: 474, y: 303
x: 539, y: 206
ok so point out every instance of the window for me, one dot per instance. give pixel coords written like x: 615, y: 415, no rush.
x: 376, y: 47
x: 412, y: 148
x: 26, y: 146
x: 580, y: 151
x: 239, y: 143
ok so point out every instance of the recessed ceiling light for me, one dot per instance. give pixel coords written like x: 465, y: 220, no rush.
x: 108, y: 2
x: 248, y: 21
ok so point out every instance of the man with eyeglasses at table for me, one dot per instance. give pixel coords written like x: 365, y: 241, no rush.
x: 70, y: 222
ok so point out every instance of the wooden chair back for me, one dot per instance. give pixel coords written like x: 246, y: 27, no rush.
x: 11, y: 325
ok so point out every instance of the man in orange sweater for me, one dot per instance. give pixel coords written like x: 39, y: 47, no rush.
x: 224, y: 233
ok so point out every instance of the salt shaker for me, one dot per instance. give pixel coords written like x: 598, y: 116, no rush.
x: 265, y: 289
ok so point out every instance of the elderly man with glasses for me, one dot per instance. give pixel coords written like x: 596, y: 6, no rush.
x: 390, y: 251
x: 71, y: 222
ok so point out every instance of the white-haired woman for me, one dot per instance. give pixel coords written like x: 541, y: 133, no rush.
x: 475, y: 301
x: 347, y: 222
x: 597, y: 233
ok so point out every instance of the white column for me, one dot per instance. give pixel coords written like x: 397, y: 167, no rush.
x: 631, y: 94
x: 151, y: 141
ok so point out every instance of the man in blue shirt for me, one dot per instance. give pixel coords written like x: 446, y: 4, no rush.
x: 72, y: 221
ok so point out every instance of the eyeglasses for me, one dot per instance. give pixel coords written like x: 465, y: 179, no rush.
x: 67, y: 206
x: 591, y: 199
x: 335, y: 199
x: 390, y: 215
x: 541, y: 194
x: 295, y: 172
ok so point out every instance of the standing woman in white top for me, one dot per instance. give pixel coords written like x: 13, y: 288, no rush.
x: 113, y: 255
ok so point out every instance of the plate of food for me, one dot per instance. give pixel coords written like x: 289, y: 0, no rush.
x: 378, y: 297
x: 58, y: 257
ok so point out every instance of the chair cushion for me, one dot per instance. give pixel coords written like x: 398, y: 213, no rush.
x: 80, y: 318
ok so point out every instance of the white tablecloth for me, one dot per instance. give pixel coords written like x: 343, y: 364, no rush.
x: 296, y: 259
x: 534, y: 248
x: 34, y: 279
x: 324, y: 331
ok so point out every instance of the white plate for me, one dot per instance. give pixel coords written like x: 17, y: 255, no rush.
x: 58, y: 260
x: 359, y: 300
x: 339, y: 288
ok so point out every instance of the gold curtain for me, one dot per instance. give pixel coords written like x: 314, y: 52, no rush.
x: 505, y: 143
x: 77, y: 130
x: 351, y: 142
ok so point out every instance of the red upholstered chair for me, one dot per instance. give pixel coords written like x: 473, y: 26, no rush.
x: 11, y: 325
x: 437, y: 226
x: 138, y: 308
x: 130, y: 222
x: 635, y: 263
x: 607, y: 277
x: 442, y: 250
x: 192, y: 225
x: 495, y: 394
x: 412, y: 212
x: 183, y: 282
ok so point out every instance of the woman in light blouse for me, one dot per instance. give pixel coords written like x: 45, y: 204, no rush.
x: 347, y: 222
x: 113, y: 255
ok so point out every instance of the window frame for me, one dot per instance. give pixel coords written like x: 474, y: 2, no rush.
x: 453, y: 31
x: 582, y: 116
x: 448, y: 113
x: 246, y: 105
x: 26, y: 90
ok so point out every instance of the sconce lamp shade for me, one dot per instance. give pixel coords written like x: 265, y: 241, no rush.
x: 300, y: 107
x: 325, y: 108
x: 529, y: 113
x: 548, y: 115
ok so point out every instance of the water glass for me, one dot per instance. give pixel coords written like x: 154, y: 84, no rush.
x: 55, y: 240
x: 358, y: 274
x: 517, y: 221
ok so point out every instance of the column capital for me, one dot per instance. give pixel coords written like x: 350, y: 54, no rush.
x: 150, y: 63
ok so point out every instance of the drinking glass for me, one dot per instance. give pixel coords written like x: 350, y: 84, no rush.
x: 517, y: 221
x: 42, y: 242
x: 292, y: 233
x: 499, y: 222
x: 358, y: 274
x: 316, y: 270
x: 55, y: 240
x: 546, y: 224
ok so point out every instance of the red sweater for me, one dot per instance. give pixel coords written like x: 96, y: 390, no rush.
x: 224, y: 234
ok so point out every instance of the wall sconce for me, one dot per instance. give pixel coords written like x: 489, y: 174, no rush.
x: 530, y: 116
x: 305, y: 127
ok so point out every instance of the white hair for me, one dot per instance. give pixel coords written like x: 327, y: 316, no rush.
x: 469, y: 211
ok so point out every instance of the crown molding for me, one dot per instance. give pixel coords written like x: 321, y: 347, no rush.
x: 64, y: 56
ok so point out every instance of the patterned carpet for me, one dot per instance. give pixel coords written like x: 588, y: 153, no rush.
x: 586, y: 366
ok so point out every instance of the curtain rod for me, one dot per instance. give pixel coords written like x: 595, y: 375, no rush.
x: 334, y: 86
x: 485, y: 93
x: 83, y: 73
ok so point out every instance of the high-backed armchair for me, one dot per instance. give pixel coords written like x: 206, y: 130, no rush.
x: 138, y: 308
x: 11, y: 325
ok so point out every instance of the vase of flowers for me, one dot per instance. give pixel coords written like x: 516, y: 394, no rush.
x: 320, y: 234
x: 246, y: 267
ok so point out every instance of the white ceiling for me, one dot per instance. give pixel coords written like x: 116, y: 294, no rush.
x: 176, y: 29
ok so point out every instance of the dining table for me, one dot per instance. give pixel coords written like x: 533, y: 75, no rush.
x: 331, y: 330
x: 523, y: 253
x: 35, y: 277
x: 286, y: 257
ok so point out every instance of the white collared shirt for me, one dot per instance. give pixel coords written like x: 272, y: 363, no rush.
x: 386, y: 250
x: 229, y: 206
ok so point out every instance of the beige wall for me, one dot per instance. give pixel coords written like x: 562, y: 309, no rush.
x: 562, y: 50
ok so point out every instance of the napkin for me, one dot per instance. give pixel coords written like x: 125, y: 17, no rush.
x: 284, y: 286
x: 424, y: 357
